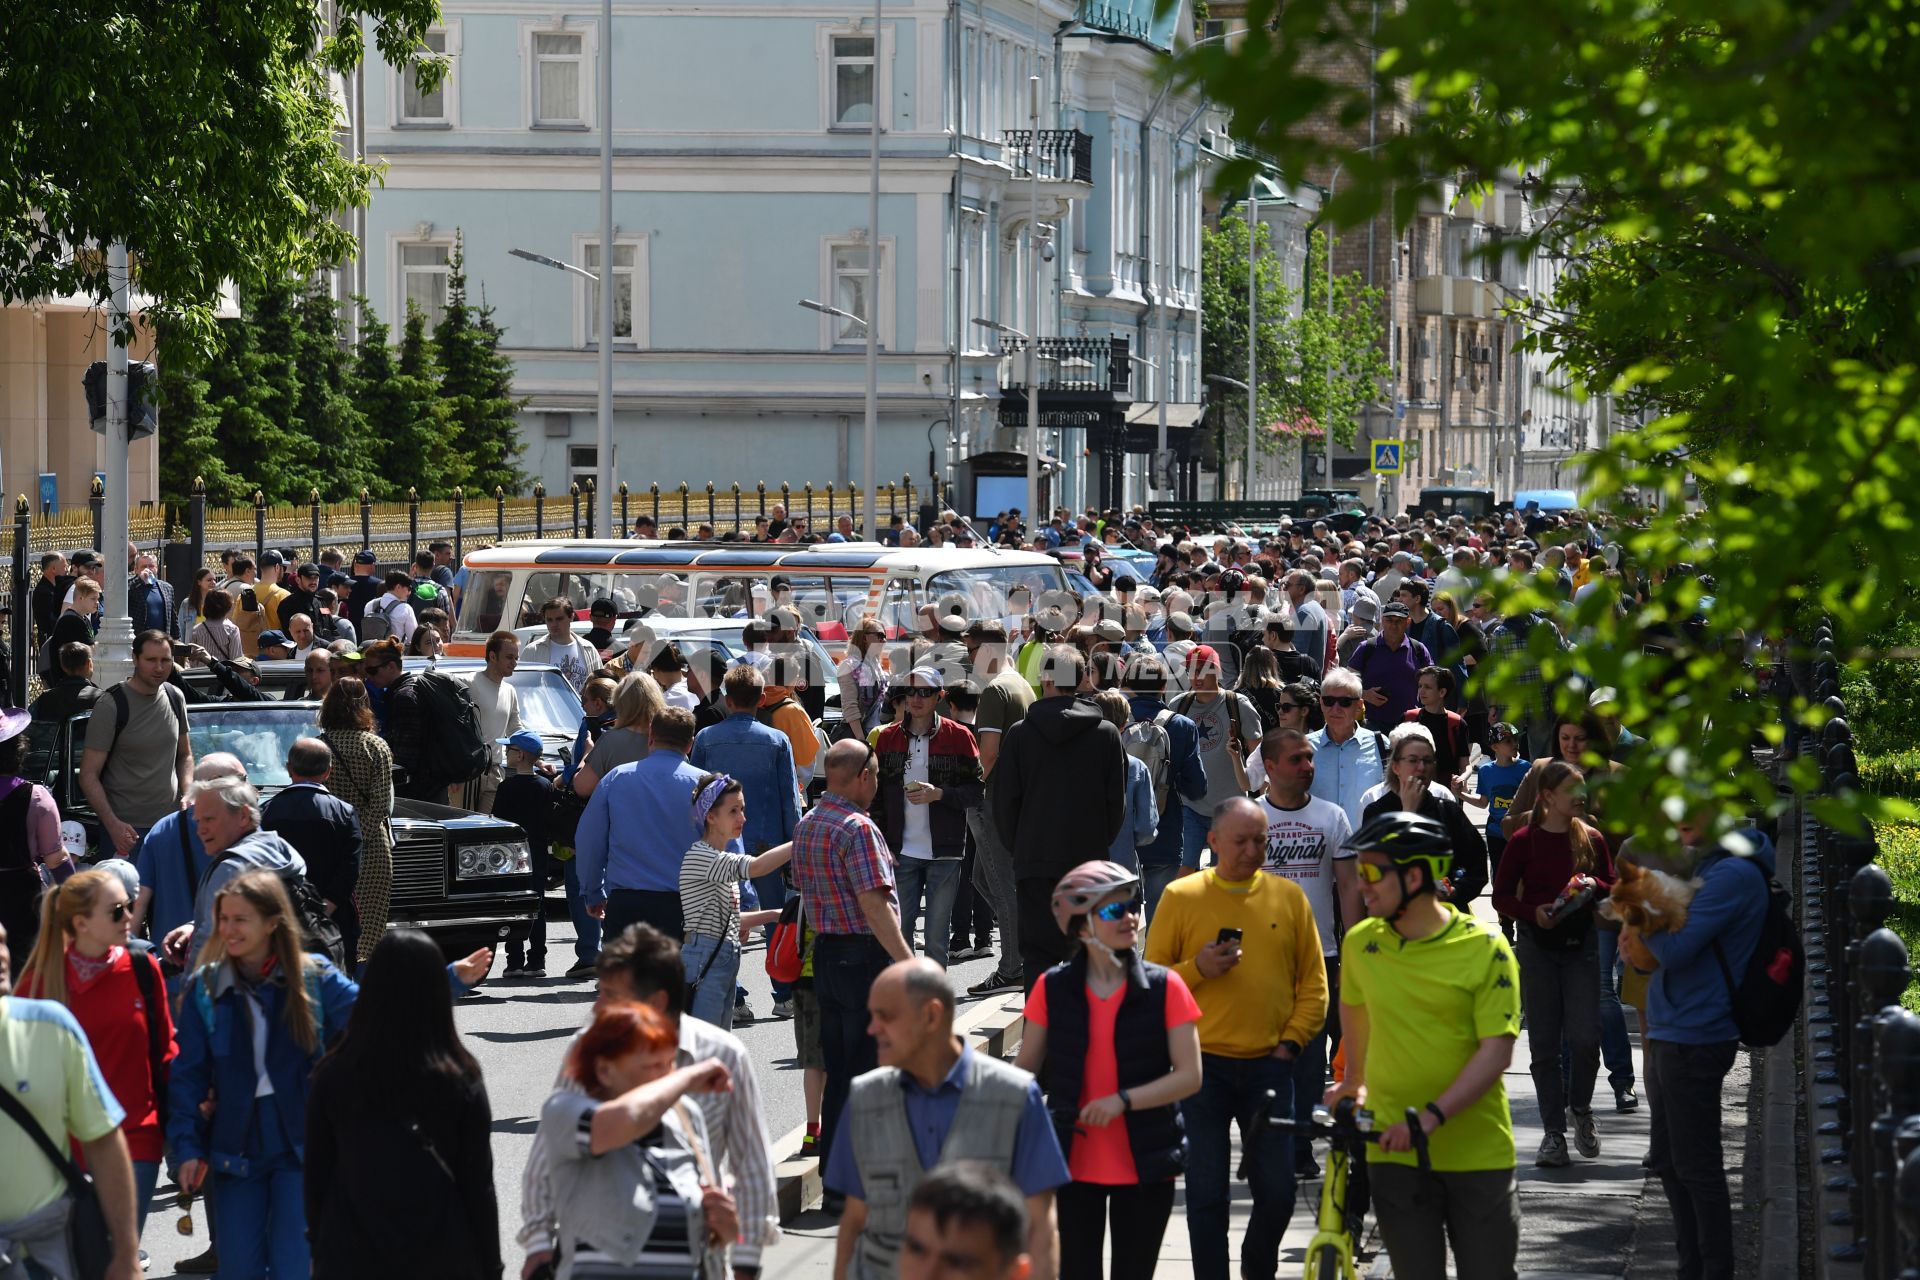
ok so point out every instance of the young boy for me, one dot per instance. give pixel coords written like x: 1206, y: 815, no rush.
x: 1498, y: 781
x: 525, y: 798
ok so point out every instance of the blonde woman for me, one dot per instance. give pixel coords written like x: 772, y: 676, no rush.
x: 636, y: 701
x: 363, y: 777
x: 863, y: 677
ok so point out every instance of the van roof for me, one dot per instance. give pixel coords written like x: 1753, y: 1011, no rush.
x: 683, y: 553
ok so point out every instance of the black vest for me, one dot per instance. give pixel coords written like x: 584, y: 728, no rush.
x: 1158, y: 1139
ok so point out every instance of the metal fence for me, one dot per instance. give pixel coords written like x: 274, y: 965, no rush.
x: 395, y: 531
x: 1863, y: 1065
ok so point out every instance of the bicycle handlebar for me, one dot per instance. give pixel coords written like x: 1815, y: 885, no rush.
x: 1348, y: 1120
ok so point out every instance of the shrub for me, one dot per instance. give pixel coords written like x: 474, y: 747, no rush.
x: 1900, y: 857
x: 1896, y: 773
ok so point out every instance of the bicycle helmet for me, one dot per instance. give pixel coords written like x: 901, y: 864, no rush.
x: 1409, y: 839
x: 1086, y: 886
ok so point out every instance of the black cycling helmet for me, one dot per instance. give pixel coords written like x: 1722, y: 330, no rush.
x: 1408, y: 839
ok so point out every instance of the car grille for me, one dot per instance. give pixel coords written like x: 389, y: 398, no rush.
x: 420, y: 870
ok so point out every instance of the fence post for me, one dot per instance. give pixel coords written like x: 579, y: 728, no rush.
x: 573, y: 491
x: 539, y: 509
x: 1899, y: 1069
x: 197, y: 521
x: 906, y: 492
x: 654, y: 490
x: 259, y: 525
x: 313, y: 504
x: 786, y: 500
x: 499, y: 513
x: 459, y: 524
x: 22, y: 609
x: 683, y: 521
x: 760, y: 492
x: 736, y: 506
x: 413, y: 525
x: 591, y: 531
x: 711, y: 518
x: 829, y: 505
x: 97, y: 499
x: 1907, y: 1190
x: 624, y: 524
x: 366, y: 520
x: 806, y: 492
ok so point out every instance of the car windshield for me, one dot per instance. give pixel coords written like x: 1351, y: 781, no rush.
x: 988, y: 587
x: 258, y: 732
x: 548, y: 705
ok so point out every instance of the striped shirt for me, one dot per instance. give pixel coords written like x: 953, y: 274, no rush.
x: 710, y: 890
x: 668, y: 1253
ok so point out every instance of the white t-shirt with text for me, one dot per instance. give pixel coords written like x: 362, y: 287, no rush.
x: 1302, y: 845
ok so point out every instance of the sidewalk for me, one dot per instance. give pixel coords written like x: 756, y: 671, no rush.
x: 1604, y: 1217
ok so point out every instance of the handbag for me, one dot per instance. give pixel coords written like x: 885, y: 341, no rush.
x: 88, y: 1237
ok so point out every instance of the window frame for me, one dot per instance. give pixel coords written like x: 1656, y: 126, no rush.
x: 397, y: 247
x: 449, y: 118
x: 829, y: 325
x: 584, y: 318
x: 588, y: 33
x: 884, y: 46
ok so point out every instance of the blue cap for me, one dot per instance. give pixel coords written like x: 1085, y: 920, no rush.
x: 526, y: 740
x: 273, y: 639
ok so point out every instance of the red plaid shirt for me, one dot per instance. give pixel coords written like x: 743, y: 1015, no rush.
x: 839, y: 854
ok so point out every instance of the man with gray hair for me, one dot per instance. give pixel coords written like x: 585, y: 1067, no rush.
x: 226, y: 812
x: 325, y: 831
x: 172, y: 862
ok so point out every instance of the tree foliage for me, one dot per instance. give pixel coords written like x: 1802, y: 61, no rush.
x: 203, y: 135
x: 410, y: 424
x: 1735, y: 195
x: 476, y: 382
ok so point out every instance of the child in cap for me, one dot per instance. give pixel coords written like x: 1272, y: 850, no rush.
x: 1498, y: 782
x: 525, y: 798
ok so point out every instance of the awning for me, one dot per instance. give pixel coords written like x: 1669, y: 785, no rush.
x: 1147, y: 413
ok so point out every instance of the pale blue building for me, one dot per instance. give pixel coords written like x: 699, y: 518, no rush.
x: 741, y: 138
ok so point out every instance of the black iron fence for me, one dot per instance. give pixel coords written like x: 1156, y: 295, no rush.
x: 195, y: 534
x: 1863, y: 1068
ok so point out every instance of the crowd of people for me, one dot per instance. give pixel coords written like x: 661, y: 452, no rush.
x: 1219, y: 825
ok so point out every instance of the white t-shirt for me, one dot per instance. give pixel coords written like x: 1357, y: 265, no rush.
x: 499, y: 707
x: 1302, y: 845
x: 916, y: 833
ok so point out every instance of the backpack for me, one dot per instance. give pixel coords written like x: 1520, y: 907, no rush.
x: 319, y: 935
x: 146, y: 974
x: 452, y: 748
x: 1148, y: 742
x: 374, y: 624
x: 765, y: 714
x: 1766, y: 1000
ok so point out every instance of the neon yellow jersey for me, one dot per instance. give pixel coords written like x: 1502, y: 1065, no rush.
x: 1429, y: 1005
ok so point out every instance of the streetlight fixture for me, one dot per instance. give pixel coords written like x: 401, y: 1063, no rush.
x: 1033, y: 408
x: 835, y: 312
x: 603, y: 451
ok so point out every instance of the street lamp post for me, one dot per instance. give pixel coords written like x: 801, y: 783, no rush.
x: 114, y: 656
x: 603, y: 457
x: 868, y: 507
x: 1254, y: 230
x: 1245, y: 389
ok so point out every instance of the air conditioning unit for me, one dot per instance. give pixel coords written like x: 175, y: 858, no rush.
x: 1480, y: 355
x: 1426, y: 348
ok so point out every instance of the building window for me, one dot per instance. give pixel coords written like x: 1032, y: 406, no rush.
x: 559, y: 79
x: 629, y: 291
x: 844, y: 267
x: 583, y: 461
x: 429, y: 108
x: 853, y: 81
x: 423, y: 279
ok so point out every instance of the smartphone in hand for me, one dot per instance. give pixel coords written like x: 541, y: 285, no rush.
x: 1228, y: 938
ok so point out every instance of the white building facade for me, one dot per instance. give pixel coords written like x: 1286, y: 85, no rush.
x: 740, y: 187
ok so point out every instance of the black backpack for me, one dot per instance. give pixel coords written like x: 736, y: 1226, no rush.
x: 1766, y: 1000
x: 452, y: 749
x: 319, y: 935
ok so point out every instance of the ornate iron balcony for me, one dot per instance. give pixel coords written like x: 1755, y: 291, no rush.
x: 1061, y: 155
x: 1097, y: 366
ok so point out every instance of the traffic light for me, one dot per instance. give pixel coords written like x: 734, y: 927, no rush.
x: 141, y: 379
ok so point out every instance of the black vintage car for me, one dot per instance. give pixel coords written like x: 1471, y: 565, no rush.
x: 465, y: 878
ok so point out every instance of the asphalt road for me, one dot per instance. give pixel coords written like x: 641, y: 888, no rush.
x: 519, y: 1031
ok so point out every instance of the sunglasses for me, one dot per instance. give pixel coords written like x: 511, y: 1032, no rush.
x: 1371, y: 872
x: 1330, y: 701
x: 1290, y: 706
x: 923, y: 693
x: 1113, y: 912
x: 118, y: 911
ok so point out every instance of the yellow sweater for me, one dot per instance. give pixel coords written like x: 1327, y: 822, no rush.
x: 1277, y: 992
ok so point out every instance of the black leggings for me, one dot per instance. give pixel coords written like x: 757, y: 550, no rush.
x: 1139, y: 1215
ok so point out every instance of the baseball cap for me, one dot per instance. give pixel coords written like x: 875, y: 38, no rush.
x: 1502, y: 733
x: 1202, y: 655
x: 271, y: 639
x: 1394, y: 609
x: 273, y: 558
x: 1109, y: 630
x: 526, y: 740
x: 928, y: 676
x: 603, y: 608
x: 1365, y: 612
x: 365, y: 557
x: 306, y: 569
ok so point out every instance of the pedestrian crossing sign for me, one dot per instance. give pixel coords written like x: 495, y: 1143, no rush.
x: 1386, y: 457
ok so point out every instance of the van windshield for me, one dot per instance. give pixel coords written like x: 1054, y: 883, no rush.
x: 998, y: 591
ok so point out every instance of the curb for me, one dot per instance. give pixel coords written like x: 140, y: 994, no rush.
x: 994, y: 1023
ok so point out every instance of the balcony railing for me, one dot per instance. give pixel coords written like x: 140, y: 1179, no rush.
x: 1074, y: 365
x: 1059, y: 155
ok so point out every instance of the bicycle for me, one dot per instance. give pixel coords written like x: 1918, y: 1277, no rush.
x: 1330, y: 1252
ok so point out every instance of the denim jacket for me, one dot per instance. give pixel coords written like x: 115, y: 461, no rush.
x: 760, y: 758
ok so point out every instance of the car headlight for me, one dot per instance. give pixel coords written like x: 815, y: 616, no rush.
x: 497, y: 858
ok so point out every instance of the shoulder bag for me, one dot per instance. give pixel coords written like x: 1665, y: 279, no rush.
x: 88, y: 1237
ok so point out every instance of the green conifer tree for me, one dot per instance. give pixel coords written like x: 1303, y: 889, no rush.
x: 477, y: 384
x: 325, y: 412
x: 410, y: 425
x: 190, y: 444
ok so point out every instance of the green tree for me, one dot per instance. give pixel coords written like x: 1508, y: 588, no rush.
x: 191, y: 447
x: 410, y: 425
x: 477, y: 384
x: 1224, y: 263
x: 324, y: 409
x: 1739, y: 211
x: 254, y: 386
x: 203, y: 135
x: 1339, y: 358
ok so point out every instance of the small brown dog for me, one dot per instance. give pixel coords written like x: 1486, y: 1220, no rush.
x: 1650, y: 901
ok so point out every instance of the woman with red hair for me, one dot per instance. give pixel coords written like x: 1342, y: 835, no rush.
x: 633, y: 1178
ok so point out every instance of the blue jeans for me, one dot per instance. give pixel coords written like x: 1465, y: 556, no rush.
x: 939, y: 880
x: 1233, y: 1091
x: 713, y: 997
x: 146, y: 1176
x: 1154, y: 879
x: 261, y: 1226
x: 1615, y: 1048
x: 1193, y: 835
x: 586, y: 930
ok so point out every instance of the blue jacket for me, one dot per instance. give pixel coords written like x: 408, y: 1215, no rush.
x: 1687, y: 999
x: 1189, y: 779
x: 216, y: 1052
x: 638, y: 827
x: 760, y: 758
x: 1142, y: 818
